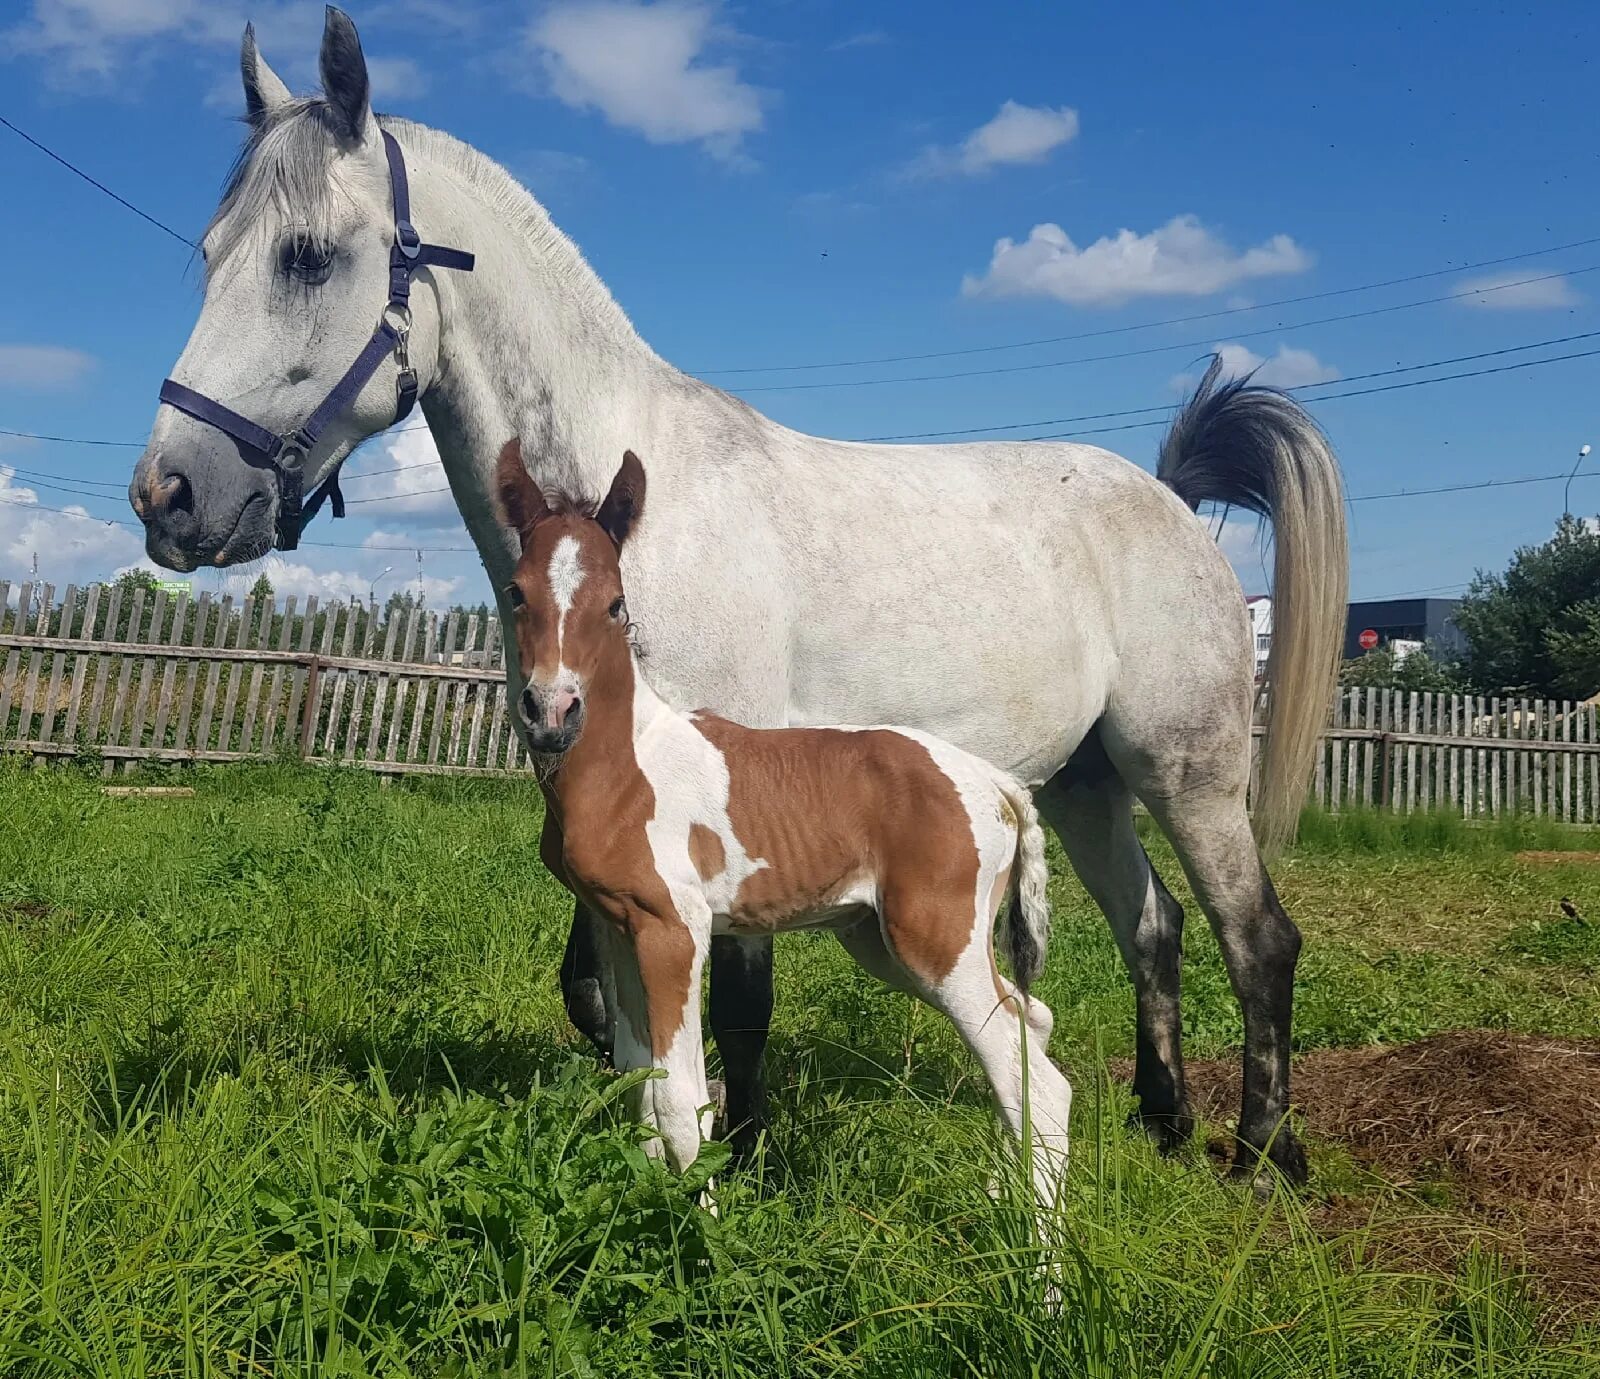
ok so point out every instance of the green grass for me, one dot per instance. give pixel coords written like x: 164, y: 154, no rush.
x: 286, y: 1088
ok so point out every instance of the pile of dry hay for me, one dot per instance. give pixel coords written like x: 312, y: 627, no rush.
x: 1509, y: 1124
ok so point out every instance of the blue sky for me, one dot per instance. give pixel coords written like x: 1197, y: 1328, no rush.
x: 811, y: 181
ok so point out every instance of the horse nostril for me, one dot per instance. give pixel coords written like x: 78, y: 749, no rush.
x: 529, y: 707
x: 573, y: 710
x: 172, y: 493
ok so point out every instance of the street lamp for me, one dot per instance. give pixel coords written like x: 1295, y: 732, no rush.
x: 1566, y: 505
x: 372, y: 589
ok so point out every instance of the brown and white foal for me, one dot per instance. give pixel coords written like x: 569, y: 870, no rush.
x: 677, y: 826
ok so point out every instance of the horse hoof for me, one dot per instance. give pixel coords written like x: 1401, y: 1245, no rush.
x: 1169, y: 1131
x: 1283, y: 1165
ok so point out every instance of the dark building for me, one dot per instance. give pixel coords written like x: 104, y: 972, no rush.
x: 1404, y: 620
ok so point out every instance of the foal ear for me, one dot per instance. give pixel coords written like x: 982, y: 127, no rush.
x: 344, y: 75
x: 621, y: 509
x: 517, y: 496
x: 263, y: 91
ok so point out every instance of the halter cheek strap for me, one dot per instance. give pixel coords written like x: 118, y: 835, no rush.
x: 287, y: 455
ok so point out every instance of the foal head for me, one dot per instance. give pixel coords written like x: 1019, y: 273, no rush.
x: 569, y: 617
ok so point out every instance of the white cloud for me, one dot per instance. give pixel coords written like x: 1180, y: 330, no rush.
x: 72, y: 546
x: 395, y: 79
x: 643, y: 67
x: 92, y: 42
x: 42, y: 366
x: 1179, y: 259
x: 1017, y: 134
x: 1521, y: 289
x: 409, y: 478
x: 1288, y: 368
x: 302, y: 579
x: 867, y: 38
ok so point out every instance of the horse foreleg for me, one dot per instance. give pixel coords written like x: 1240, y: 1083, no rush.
x: 741, y: 1015
x: 588, y: 985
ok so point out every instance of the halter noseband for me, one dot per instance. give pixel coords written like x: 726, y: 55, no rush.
x: 286, y: 455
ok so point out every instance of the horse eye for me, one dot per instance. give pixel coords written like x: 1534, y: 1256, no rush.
x: 619, y: 610
x: 514, y: 595
x: 305, y: 259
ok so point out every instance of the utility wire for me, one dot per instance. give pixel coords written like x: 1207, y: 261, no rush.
x: 99, y: 186
x: 1148, y: 349
x: 1165, y: 321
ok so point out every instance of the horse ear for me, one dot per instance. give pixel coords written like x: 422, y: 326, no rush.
x: 344, y: 75
x: 263, y: 91
x: 518, y: 497
x: 620, y: 511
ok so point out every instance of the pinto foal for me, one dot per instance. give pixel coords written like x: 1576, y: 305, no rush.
x: 674, y: 827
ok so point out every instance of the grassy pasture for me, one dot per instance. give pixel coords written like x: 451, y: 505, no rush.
x: 286, y: 1088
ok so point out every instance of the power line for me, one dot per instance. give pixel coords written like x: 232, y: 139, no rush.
x: 1148, y: 349
x: 99, y: 186
x: 1352, y: 392
x: 1294, y: 388
x: 1165, y: 321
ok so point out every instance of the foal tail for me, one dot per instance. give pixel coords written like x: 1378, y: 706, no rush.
x: 1257, y: 449
x: 1028, y: 911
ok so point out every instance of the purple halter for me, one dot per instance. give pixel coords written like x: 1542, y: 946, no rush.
x: 286, y: 455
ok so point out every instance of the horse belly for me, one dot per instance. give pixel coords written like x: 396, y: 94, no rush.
x: 833, y: 910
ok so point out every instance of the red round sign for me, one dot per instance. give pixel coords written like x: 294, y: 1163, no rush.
x: 1368, y: 639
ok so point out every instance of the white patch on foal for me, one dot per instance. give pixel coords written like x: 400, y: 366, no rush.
x: 565, y: 576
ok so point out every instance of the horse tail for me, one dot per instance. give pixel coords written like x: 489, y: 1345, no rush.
x: 1028, y: 914
x: 1255, y: 448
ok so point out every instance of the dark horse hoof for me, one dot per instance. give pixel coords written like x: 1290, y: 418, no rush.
x: 1169, y: 1131
x: 1283, y: 1163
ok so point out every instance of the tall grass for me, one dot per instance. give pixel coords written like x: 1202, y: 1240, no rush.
x: 285, y: 1088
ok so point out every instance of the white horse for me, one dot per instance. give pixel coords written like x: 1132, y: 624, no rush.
x: 1049, y: 607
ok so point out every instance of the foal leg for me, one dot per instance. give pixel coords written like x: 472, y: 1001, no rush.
x: 741, y: 1015
x: 658, y: 969
x: 1091, y: 810
x: 586, y: 980
x: 986, y: 1010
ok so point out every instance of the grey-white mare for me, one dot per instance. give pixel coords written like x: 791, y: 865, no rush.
x: 1050, y: 607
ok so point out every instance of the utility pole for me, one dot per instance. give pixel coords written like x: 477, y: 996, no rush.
x: 419, y: 577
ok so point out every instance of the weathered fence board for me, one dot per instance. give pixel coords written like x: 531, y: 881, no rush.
x: 121, y: 677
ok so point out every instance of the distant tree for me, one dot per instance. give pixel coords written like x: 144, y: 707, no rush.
x: 1423, y: 670
x: 129, y: 581
x: 1526, y: 628
x: 262, y: 590
x: 1574, y: 649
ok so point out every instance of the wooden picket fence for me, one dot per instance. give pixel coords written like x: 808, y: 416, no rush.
x: 127, y: 676
x: 137, y: 676
x: 1478, y: 756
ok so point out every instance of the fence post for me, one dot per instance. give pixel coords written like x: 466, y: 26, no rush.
x: 1386, y: 770
x: 309, y: 705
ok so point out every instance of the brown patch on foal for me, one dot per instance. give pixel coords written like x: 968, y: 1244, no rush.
x: 706, y: 852
x: 819, y: 804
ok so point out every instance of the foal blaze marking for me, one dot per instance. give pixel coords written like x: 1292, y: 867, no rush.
x: 674, y: 827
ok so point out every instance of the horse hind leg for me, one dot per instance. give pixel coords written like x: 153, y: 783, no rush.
x: 741, y: 1016
x: 588, y: 985
x: 1209, y: 828
x: 1091, y: 811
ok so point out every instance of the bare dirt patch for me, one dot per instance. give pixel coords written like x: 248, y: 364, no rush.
x: 1508, y: 1124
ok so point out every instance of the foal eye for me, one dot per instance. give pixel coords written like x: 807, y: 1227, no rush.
x: 514, y: 595
x: 305, y: 259
x: 619, y: 610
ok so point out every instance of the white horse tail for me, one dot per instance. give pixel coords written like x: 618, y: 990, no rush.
x: 1257, y: 449
x: 1028, y: 914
